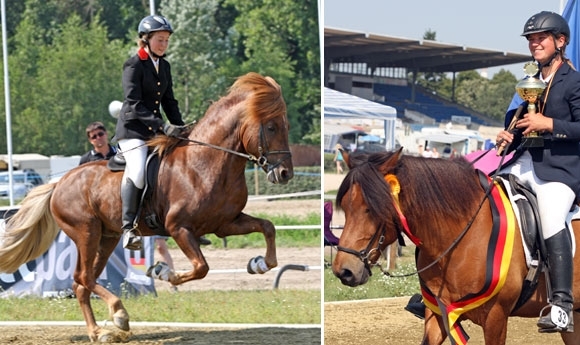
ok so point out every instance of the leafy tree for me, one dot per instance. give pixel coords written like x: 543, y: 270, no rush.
x: 198, y: 51
x: 281, y: 39
x: 77, y: 76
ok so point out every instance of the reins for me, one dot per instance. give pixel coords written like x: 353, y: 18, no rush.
x: 364, y: 255
x: 467, y: 227
x: 260, y: 161
x: 451, y: 246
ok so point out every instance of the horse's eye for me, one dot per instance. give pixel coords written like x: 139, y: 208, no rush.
x: 367, y: 210
x: 271, y: 128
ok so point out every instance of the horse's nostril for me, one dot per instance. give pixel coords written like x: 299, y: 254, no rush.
x: 345, y: 274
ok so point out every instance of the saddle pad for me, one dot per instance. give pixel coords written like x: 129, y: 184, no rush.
x: 573, y: 215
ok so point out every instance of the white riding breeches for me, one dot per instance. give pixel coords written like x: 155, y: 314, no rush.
x: 555, y: 199
x: 135, y: 152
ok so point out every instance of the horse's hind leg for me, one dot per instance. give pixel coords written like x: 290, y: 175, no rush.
x: 90, y: 264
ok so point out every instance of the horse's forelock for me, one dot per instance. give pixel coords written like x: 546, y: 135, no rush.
x: 374, y: 189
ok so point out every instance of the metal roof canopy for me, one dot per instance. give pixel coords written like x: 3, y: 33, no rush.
x: 342, y: 105
x: 415, y: 55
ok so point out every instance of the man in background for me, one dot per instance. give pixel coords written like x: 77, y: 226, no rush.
x: 98, y: 137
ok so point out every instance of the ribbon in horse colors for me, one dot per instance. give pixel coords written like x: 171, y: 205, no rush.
x: 499, y: 253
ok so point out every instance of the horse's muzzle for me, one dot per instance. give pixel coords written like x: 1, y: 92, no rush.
x: 280, y: 175
x: 349, y: 278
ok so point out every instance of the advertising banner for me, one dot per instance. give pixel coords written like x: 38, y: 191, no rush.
x: 50, y: 275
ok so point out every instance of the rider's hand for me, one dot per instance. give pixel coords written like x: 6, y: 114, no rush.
x: 173, y: 130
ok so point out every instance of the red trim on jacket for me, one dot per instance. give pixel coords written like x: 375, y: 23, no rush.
x: 143, y: 55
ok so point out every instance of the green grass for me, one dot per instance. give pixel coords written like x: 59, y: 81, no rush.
x: 378, y: 286
x: 263, y: 306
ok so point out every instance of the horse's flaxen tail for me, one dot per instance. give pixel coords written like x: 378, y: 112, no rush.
x: 30, y: 232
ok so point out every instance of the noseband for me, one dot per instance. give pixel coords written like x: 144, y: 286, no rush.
x: 365, y: 254
x: 262, y: 161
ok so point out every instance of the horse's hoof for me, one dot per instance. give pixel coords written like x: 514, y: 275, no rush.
x: 105, y: 336
x: 257, y: 265
x: 159, y: 271
x: 121, y: 320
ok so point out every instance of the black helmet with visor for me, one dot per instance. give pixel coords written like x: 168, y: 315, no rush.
x: 153, y: 23
x: 547, y: 22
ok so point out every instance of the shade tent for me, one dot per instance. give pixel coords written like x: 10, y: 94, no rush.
x: 344, y: 106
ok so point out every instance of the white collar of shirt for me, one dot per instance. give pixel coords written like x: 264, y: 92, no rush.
x: 155, y: 63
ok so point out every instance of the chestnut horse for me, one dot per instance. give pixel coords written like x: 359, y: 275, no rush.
x: 441, y: 206
x: 200, y: 189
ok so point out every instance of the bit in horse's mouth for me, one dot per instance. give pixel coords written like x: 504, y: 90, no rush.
x: 278, y: 176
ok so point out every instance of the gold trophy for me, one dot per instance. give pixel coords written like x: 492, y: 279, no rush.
x: 530, y: 89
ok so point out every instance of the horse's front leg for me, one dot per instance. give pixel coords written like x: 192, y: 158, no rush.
x: 245, y: 224
x: 189, y: 245
x: 434, y: 329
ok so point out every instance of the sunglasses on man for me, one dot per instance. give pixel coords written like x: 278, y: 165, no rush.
x: 98, y: 135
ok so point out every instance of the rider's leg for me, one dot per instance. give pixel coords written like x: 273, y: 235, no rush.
x: 135, y: 152
x: 560, y: 262
x: 554, y: 201
x: 130, y: 196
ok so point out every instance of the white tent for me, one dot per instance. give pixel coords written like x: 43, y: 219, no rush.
x: 342, y: 105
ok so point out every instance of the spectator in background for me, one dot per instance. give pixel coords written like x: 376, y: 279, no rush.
x: 427, y: 152
x: 434, y: 153
x: 98, y: 137
x: 338, y: 158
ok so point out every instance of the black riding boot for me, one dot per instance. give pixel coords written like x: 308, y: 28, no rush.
x: 560, y: 263
x: 130, y: 196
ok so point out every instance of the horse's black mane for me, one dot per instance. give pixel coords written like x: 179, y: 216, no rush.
x: 430, y: 188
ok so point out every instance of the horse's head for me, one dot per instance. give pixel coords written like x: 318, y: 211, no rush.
x: 371, y: 223
x: 265, y: 126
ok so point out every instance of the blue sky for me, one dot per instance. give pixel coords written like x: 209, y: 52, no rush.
x: 491, y: 24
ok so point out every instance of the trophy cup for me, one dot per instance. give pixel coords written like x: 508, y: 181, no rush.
x: 530, y: 89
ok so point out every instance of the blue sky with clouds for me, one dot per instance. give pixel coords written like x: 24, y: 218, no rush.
x: 491, y: 24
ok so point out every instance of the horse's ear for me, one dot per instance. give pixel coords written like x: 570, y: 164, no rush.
x: 388, y: 165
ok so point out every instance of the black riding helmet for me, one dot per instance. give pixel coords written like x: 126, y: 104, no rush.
x: 153, y: 23
x: 547, y: 21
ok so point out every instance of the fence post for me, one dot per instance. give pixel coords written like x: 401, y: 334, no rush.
x: 256, y: 183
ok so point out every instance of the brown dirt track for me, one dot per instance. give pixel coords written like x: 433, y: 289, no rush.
x: 385, y: 321
x: 217, y: 259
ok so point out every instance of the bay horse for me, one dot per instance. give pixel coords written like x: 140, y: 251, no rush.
x: 441, y: 206
x: 200, y: 189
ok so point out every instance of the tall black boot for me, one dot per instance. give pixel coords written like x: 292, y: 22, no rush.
x: 130, y: 196
x: 560, y: 264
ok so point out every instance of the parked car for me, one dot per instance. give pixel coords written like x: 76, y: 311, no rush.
x: 23, y: 182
